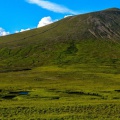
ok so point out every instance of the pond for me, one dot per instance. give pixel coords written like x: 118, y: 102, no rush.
x: 20, y: 93
x: 23, y: 93
x: 12, y: 95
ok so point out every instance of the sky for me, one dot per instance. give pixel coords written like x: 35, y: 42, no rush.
x: 20, y: 15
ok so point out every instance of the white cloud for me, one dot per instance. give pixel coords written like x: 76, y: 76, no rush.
x: 3, y: 32
x: 17, y: 31
x: 45, y: 21
x: 51, y: 6
x: 22, y: 30
x: 67, y: 16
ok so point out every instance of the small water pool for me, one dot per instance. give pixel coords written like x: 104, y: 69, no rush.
x: 19, y: 93
x: 23, y: 93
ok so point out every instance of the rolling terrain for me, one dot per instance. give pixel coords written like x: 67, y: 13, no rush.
x: 68, y: 70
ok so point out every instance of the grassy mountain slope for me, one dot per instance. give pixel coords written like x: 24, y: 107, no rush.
x: 89, y: 38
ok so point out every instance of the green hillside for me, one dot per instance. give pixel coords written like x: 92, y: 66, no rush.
x: 68, y: 70
x: 88, y: 38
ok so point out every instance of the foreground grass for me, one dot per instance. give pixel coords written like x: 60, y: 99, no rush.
x: 64, y: 92
x: 59, y: 110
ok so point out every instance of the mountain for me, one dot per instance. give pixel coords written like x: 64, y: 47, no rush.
x: 92, y: 38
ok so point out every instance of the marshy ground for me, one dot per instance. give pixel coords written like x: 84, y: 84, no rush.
x: 61, y: 93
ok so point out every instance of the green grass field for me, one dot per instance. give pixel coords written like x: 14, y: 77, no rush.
x: 76, y: 92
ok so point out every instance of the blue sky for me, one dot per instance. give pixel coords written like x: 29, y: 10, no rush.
x: 20, y: 15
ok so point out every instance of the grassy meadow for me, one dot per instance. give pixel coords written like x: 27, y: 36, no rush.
x: 68, y: 92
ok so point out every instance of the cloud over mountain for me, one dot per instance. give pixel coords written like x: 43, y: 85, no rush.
x: 22, y: 30
x: 45, y: 21
x: 3, y: 32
